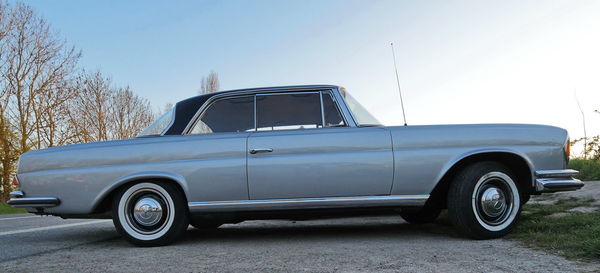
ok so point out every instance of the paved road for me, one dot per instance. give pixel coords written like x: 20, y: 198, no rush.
x: 373, y: 244
x: 23, y: 235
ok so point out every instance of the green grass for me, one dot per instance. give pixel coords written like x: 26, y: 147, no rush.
x: 588, y: 169
x: 576, y: 235
x: 6, y: 209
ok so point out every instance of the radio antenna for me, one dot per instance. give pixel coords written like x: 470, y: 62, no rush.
x: 398, y: 81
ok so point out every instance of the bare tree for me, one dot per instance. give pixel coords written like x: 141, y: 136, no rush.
x: 129, y: 114
x: 210, y: 83
x: 88, y: 110
x: 44, y: 102
x: 101, y: 112
x: 34, y: 64
x: 52, y: 110
x: 7, y: 156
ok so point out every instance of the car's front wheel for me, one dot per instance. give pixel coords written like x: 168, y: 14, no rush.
x: 484, y: 200
x: 150, y: 213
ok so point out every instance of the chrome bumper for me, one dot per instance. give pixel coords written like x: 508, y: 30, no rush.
x: 557, y: 180
x: 18, y: 200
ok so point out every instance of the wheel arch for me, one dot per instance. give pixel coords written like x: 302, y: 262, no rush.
x: 517, y: 162
x: 102, y: 202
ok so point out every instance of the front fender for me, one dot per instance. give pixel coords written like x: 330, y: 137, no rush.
x: 458, y: 158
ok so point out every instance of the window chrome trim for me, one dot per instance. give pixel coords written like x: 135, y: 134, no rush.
x: 213, y: 102
x: 322, y: 110
x: 348, y: 119
x: 338, y: 108
x: 345, y: 110
x: 310, y: 203
x: 255, y: 119
x: 279, y: 94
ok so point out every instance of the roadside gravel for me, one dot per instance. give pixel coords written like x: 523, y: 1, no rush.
x: 374, y: 244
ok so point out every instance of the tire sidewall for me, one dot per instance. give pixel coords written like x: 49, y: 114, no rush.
x: 462, y: 201
x: 177, y: 218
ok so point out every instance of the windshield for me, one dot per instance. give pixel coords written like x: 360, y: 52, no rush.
x: 359, y: 112
x: 159, y: 125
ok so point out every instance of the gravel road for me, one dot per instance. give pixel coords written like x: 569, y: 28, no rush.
x: 372, y: 244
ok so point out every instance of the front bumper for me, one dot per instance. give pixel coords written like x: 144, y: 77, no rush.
x: 556, y: 180
x: 18, y: 200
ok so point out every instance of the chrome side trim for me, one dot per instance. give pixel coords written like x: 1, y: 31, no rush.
x: 310, y: 203
x: 557, y: 180
x: 34, y: 202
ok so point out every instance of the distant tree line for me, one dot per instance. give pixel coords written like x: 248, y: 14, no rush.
x: 46, y: 100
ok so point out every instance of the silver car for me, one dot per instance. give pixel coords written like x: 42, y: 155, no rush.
x: 294, y: 153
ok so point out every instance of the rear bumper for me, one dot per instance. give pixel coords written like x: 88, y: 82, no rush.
x: 18, y: 200
x: 557, y: 180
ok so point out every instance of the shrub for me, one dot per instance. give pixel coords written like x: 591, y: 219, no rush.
x: 588, y: 169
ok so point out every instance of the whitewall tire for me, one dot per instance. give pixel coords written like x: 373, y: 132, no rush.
x: 150, y: 213
x: 484, y: 200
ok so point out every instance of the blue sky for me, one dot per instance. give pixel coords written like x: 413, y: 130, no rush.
x: 459, y: 61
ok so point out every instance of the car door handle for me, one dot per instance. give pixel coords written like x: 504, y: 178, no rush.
x: 261, y: 150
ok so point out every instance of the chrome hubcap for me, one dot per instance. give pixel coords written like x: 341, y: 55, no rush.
x: 147, y: 211
x: 493, y: 202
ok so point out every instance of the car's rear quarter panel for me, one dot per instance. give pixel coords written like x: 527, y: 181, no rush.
x: 423, y: 154
x: 208, y: 167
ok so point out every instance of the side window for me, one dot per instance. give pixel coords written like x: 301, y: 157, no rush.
x: 288, y: 111
x: 227, y: 115
x: 333, y: 118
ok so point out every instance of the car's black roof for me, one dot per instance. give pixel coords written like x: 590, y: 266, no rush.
x: 186, y: 109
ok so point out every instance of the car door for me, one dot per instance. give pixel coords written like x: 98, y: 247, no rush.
x: 219, y: 137
x: 302, y: 148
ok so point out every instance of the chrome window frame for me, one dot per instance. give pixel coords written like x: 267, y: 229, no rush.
x: 211, y: 104
x: 341, y: 106
x: 286, y: 93
x: 337, y: 100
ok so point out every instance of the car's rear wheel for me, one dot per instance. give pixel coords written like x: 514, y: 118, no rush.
x: 150, y: 213
x: 484, y: 200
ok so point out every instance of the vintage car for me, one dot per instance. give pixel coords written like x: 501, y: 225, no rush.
x: 296, y: 152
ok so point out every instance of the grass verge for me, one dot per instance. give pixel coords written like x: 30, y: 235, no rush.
x: 588, y: 169
x: 575, y: 235
x: 6, y: 209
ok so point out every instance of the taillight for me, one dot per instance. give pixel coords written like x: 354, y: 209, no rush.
x: 15, y: 181
x: 568, y: 148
